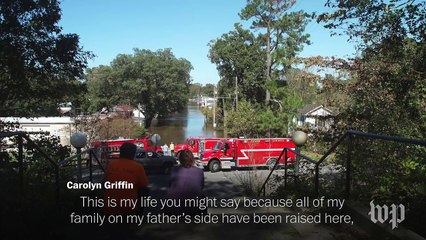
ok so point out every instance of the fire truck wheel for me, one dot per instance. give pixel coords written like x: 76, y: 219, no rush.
x: 271, y: 163
x: 214, y: 166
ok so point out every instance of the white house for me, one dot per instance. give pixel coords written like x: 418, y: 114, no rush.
x: 138, y: 117
x: 315, y: 116
x: 57, y: 126
x: 122, y: 110
x: 208, y: 102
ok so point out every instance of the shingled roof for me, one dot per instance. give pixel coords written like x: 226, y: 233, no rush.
x: 311, y: 108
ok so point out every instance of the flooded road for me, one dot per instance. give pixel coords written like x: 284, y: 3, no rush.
x: 189, y: 123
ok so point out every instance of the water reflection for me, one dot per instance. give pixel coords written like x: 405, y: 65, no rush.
x: 178, y: 127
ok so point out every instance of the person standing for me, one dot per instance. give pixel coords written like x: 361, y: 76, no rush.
x: 172, y: 149
x: 186, y: 182
x: 125, y: 170
x: 165, y: 150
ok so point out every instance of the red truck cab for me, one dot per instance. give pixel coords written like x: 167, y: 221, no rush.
x: 235, y: 152
x: 110, y: 149
x: 147, y: 144
x: 196, y: 145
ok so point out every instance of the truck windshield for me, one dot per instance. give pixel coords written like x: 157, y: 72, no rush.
x: 217, y: 146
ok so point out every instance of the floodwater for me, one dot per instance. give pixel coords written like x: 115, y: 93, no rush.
x: 178, y: 127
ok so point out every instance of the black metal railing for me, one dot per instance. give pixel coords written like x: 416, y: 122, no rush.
x: 92, y: 154
x: 348, y: 134
x: 25, y: 135
x: 57, y: 165
x: 286, y: 175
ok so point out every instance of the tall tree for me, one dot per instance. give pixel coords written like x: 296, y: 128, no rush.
x: 376, y: 20
x: 195, y: 89
x: 238, y: 55
x: 387, y: 94
x: 39, y: 66
x: 102, y: 87
x: 155, y: 82
x: 208, y: 89
x: 389, y: 76
x: 283, y: 32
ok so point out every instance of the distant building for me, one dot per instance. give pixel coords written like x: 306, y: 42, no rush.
x: 64, y: 126
x: 56, y: 126
x: 207, y: 102
x: 315, y: 117
x: 138, y: 117
x: 126, y: 111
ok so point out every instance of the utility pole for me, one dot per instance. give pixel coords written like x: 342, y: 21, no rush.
x: 236, y: 92
x: 224, y: 111
x: 214, y: 107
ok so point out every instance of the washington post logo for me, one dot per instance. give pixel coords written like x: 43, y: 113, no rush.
x: 395, y: 214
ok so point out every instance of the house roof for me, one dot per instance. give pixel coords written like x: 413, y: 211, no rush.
x: 122, y: 108
x: 307, y: 108
x: 310, y: 108
x: 39, y: 120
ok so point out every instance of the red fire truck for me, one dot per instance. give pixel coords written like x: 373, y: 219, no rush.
x: 110, y: 149
x: 197, y: 145
x: 236, y: 152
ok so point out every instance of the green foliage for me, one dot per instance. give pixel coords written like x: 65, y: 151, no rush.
x: 253, y: 120
x: 157, y: 83
x: 208, y: 89
x: 119, y: 128
x: 208, y: 114
x: 270, y: 124
x: 100, y: 83
x: 39, y: 66
x: 392, y: 99
x: 283, y: 36
x: 139, y: 132
x: 39, y: 170
x: 243, y: 121
x: 33, y: 206
x: 288, y: 98
x: 196, y: 89
x: 257, y: 63
x: 385, y: 95
x: 238, y: 54
x: 377, y: 20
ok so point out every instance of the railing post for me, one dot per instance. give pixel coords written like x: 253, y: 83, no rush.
x: 263, y: 189
x: 296, y: 166
x: 79, y: 174
x: 285, y: 168
x: 349, y: 166
x: 99, y: 162
x: 79, y: 140
x: 21, y: 162
x: 90, y: 165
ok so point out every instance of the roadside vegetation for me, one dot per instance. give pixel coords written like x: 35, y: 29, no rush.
x: 263, y: 82
x: 381, y: 90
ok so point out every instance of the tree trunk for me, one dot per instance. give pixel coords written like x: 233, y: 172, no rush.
x: 148, y: 121
x: 268, y: 62
x: 268, y: 96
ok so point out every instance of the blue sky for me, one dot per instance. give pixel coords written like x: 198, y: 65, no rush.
x: 112, y: 27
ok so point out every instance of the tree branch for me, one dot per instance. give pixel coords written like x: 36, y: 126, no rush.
x: 409, y: 2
